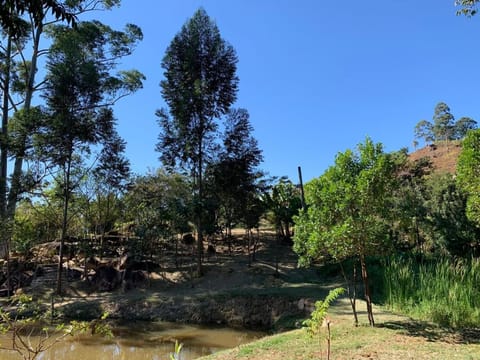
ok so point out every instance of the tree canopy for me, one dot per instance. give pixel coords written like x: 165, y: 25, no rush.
x: 467, y: 7
x: 443, y: 126
x: 11, y: 9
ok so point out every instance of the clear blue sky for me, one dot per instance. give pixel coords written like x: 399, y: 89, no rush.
x: 316, y: 76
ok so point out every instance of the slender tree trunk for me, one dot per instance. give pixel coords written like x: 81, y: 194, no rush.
x: 368, y: 298
x: 107, y: 213
x: 9, y: 202
x: 249, y: 244
x: 66, y: 198
x: 302, y: 193
x: 19, y: 156
x: 5, y: 245
x: 329, y: 340
x: 3, y: 142
x: 200, y: 211
x: 229, y: 239
x: 176, y: 251
x: 354, y: 293
x: 255, y: 243
x: 351, y: 290
x: 228, y: 229
x: 277, y: 248
x: 282, y: 229
x: 287, y: 230
x: 104, y: 224
x: 7, y: 256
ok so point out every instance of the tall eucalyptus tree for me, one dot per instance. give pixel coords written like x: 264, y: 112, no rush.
x: 199, y: 87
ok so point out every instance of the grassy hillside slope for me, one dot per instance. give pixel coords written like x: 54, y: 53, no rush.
x: 444, y: 156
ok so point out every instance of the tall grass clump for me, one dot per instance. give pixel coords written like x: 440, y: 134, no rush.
x: 445, y: 291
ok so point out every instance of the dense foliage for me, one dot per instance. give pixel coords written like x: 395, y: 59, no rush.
x: 468, y: 174
x: 283, y: 202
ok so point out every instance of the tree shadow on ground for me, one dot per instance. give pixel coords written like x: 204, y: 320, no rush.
x: 82, y: 310
x: 433, y: 332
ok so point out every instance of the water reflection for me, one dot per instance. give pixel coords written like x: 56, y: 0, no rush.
x: 141, y: 340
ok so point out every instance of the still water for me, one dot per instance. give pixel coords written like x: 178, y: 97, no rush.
x: 139, y: 340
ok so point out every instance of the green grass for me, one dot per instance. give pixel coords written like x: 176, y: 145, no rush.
x: 281, y: 343
x: 444, y: 291
x: 394, y: 339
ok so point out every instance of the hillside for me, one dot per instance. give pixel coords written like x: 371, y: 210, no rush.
x: 444, y: 156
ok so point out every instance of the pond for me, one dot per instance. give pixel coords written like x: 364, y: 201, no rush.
x: 141, y: 340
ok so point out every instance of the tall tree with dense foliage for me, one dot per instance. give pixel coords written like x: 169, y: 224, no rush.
x: 443, y: 122
x: 348, y: 211
x: 199, y: 87
x: 79, y: 90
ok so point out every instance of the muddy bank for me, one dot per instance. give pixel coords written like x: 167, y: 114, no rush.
x: 257, y: 312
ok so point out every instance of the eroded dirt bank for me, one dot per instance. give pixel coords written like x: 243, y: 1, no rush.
x: 256, y: 312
